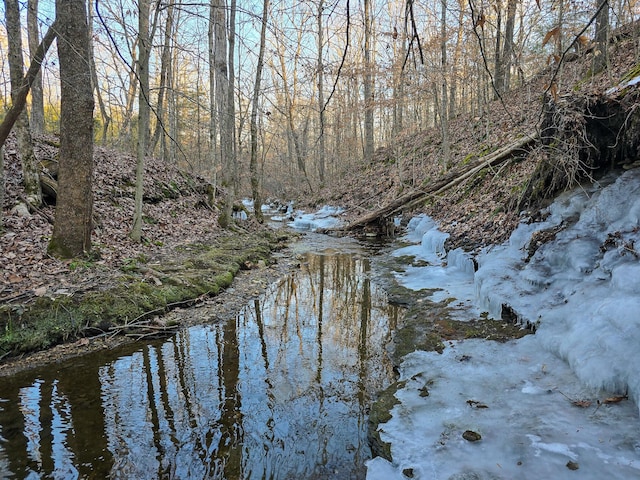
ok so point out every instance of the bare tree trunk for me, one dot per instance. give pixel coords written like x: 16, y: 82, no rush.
x: 165, y: 69
x: 231, y: 110
x: 601, y: 56
x: 454, y: 77
x: 289, y: 113
x: 37, y: 101
x: 143, y: 113
x: 321, y: 106
x: 2, y: 188
x: 30, y: 177
x: 368, y: 84
x: 253, y: 165
x: 444, y: 109
x: 507, y: 56
x: 498, y: 73
x: 213, y: 113
x: 18, y: 103
x: 222, y: 97
x: 73, y: 224
x: 106, y: 119
x: 170, y: 142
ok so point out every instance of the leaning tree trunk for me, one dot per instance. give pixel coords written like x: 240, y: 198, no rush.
x: 30, y: 178
x: 72, y: 228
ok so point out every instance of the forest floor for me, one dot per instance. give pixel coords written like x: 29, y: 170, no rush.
x: 181, y: 229
x: 122, y: 291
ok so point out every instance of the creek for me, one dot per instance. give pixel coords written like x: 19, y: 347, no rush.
x: 282, y: 390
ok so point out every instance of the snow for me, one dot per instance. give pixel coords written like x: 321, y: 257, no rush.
x: 582, y: 291
x: 326, y: 217
x: 629, y: 83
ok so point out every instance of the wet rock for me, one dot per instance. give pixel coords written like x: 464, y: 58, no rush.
x: 572, y: 465
x: 471, y: 436
x: 21, y: 210
x: 381, y: 413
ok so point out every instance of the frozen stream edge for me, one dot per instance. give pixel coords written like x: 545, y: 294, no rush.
x: 582, y: 291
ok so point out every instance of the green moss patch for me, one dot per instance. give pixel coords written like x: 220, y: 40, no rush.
x: 148, y: 288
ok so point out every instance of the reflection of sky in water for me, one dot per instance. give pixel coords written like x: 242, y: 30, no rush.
x: 280, y: 392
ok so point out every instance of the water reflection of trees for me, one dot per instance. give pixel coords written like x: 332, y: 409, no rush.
x: 279, y: 391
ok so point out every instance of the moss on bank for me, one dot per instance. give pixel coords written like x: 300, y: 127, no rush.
x: 147, y: 288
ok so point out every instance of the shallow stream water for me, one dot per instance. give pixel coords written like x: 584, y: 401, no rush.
x: 281, y: 391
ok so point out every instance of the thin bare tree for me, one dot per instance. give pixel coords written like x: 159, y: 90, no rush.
x: 144, y: 49
x: 30, y: 178
x: 37, y: 101
x: 253, y: 164
x: 368, y: 83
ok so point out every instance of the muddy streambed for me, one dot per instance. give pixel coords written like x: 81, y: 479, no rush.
x: 282, y: 390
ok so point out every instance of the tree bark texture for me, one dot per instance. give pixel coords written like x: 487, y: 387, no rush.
x: 368, y: 84
x: 144, y: 49
x: 444, y: 104
x: 507, y: 55
x: 73, y: 224
x: 37, y: 101
x: 601, y: 55
x: 321, y: 106
x: 165, y: 70
x: 253, y: 163
x: 213, y: 112
x: 19, y: 102
x: 30, y: 179
x: 106, y: 119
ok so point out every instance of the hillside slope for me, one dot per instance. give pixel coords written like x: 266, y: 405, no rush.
x: 583, y: 130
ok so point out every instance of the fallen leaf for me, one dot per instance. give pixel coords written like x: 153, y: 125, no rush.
x: 616, y: 399
x: 582, y: 403
x: 40, y: 291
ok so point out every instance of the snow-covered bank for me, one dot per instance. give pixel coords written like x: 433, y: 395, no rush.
x: 582, y: 288
x: 576, y: 275
x: 326, y: 217
x: 518, y: 397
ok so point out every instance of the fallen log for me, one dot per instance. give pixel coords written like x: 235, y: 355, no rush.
x: 491, y: 160
x: 455, y: 177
